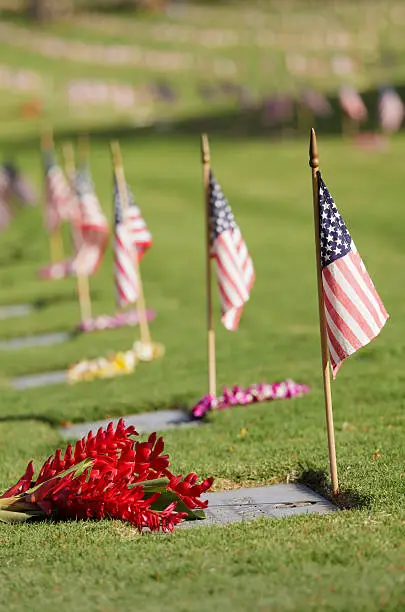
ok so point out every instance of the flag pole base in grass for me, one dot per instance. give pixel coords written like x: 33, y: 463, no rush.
x: 57, y: 270
x: 116, y: 364
x: 238, y: 396
x: 129, y: 318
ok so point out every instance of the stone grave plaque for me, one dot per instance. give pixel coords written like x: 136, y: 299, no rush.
x: 39, y: 340
x: 39, y: 380
x: 15, y: 310
x: 144, y: 422
x: 276, y: 501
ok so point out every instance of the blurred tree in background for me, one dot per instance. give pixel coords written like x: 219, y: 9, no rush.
x: 47, y: 10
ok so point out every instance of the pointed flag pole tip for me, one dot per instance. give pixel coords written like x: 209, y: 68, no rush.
x: 205, y: 149
x: 313, y: 150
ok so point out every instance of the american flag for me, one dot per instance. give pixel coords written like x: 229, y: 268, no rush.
x: 59, y: 196
x: 354, y: 311
x: 5, y: 210
x: 352, y: 104
x: 20, y: 186
x: 75, y: 213
x: 391, y: 110
x: 126, y: 280
x: 93, y: 226
x: 13, y: 185
x: 136, y: 226
x: 234, y: 265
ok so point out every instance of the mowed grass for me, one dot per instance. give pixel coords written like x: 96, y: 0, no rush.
x: 350, y: 560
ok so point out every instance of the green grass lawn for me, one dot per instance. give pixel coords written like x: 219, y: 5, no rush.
x: 351, y: 560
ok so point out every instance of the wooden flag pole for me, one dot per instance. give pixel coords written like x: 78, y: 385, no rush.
x: 123, y: 194
x: 83, y: 287
x: 314, y: 163
x: 84, y: 148
x: 69, y: 161
x: 55, y: 237
x: 205, y: 156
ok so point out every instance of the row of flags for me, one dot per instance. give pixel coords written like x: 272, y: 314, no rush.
x: 277, y: 108
x: 74, y: 200
x: 391, y: 109
x: 354, y: 311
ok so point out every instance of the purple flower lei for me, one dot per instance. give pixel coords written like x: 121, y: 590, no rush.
x: 237, y: 396
x: 120, y: 319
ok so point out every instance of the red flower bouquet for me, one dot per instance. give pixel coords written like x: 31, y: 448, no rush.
x: 109, y: 475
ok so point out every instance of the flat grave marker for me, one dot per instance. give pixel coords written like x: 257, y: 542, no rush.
x: 38, y: 380
x: 15, y: 310
x: 37, y: 340
x: 144, y: 422
x: 246, y: 504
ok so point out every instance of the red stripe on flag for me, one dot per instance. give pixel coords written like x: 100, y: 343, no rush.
x: 351, y: 279
x: 344, y: 299
x: 340, y: 324
x: 366, y: 278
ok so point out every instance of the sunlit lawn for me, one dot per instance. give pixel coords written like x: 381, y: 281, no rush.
x: 349, y: 560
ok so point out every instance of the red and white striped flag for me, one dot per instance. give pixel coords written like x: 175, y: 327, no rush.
x: 352, y: 104
x: 5, y: 192
x: 59, y: 198
x: 75, y: 216
x: 93, y: 226
x: 391, y: 110
x: 126, y: 279
x: 234, y: 265
x: 354, y: 311
x: 136, y: 226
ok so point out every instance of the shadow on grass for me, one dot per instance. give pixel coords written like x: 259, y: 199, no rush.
x: 59, y: 298
x: 180, y: 403
x: 177, y: 402
x: 11, y: 418
x: 318, y: 481
x: 52, y: 300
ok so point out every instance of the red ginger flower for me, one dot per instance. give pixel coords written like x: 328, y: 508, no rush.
x: 188, y: 490
x: 113, y: 485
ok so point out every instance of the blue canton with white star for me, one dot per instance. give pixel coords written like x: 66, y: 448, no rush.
x: 84, y: 182
x: 118, y: 216
x: 117, y: 202
x: 49, y: 160
x: 221, y: 216
x: 335, y: 239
